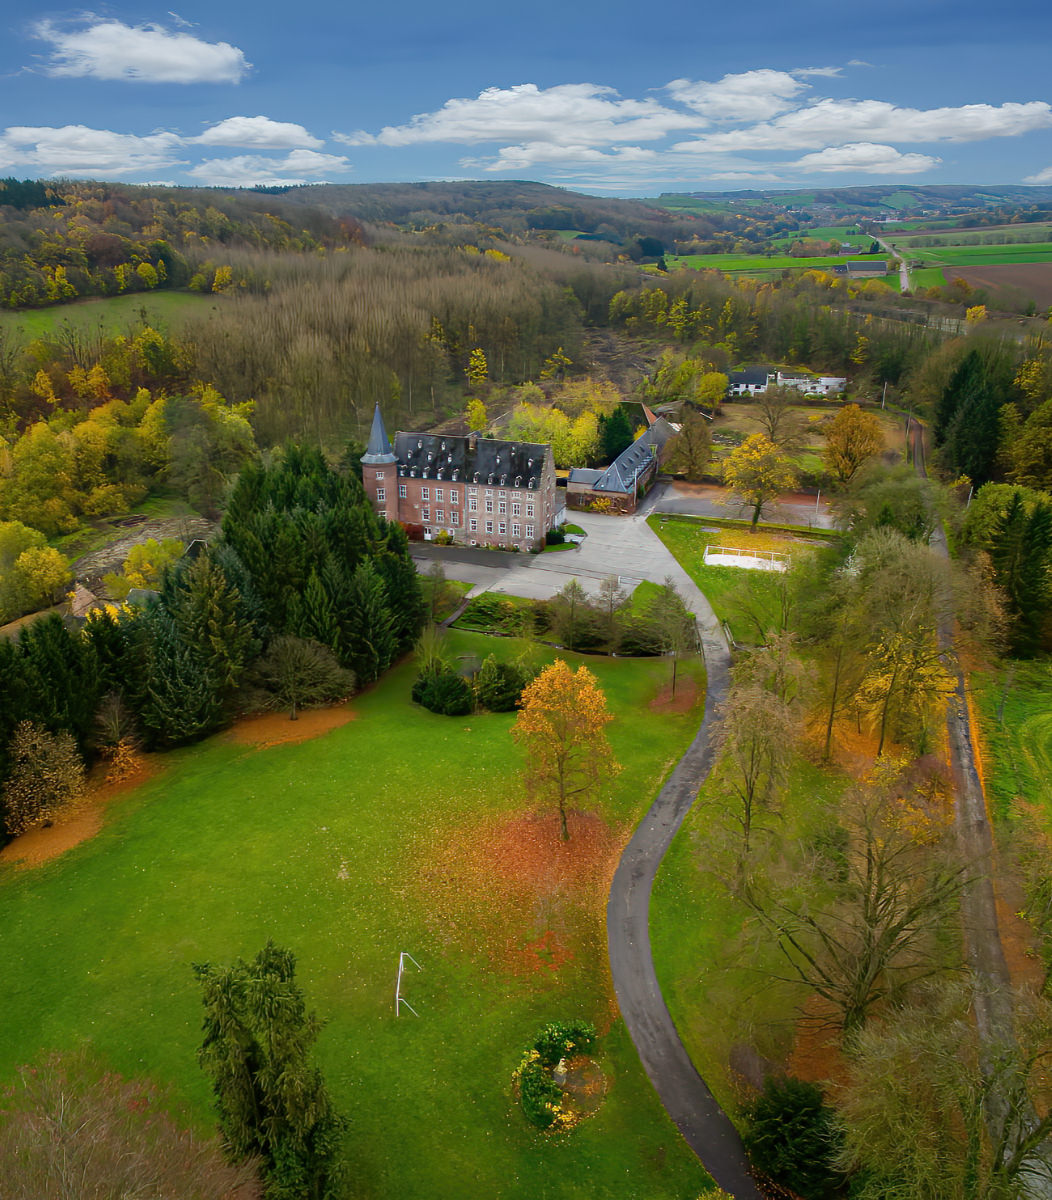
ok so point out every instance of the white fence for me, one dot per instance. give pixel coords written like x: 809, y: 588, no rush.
x: 756, y: 560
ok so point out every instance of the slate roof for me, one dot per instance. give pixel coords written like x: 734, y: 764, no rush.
x: 622, y: 473
x: 379, y: 448
x: 485, y: 461
x: 754, y: 377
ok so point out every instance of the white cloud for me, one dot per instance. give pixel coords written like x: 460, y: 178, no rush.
x: 1044, y: 176
x: 519, y: 158
x: 840, y: 121
x: 827, y: 72
x: 109, y: 49
x: 78, y: 150
x: 867, y: 157
x: 749, y: 96
x: 571, y: 114
x: 258, y: 133
x: 250, y: 170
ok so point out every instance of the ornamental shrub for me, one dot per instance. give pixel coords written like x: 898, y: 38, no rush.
x: 498, y: 685
x: 539, y: 1093
x: 564, y: 1039
x: 444, y: 692
x: 792, y: 1137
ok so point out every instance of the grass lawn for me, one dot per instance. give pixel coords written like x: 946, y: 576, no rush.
x: 717, y: 982
x: 926, y: 277
x: 986, y: 256
x: 1018, y: 761
x: 401, y: 830
x: 727, y: 587
x: 110, y: 315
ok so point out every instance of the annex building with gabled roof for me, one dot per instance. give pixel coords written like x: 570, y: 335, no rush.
x: 478, y: 491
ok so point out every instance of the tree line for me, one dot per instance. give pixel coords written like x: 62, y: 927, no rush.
x: 306, y: 596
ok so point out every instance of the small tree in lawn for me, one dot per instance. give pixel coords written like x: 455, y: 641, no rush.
x: 46, y: 774
x: 852, y: 439
x: 272, y: 1102
x: 757, y: 472
x: 561, y: 726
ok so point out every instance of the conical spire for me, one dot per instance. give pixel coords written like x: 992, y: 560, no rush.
x: 379, y: 448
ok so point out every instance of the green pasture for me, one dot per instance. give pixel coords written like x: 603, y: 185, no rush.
x: 110, y: 315
x: 825, y: 233
x: 985, y: 256
x: 1015, y: 710
x: 385, y: 835
x: 763, y: 262
x: 926, y: 277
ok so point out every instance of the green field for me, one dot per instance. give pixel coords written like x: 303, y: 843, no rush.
x: 114, y: 314
x: 401, y: 830
x: 926, y: 277
x: 985, y: 256
x: 825, y: 233
x: 740, y: 263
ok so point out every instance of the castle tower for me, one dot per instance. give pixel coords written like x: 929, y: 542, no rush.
x: 380, y: 470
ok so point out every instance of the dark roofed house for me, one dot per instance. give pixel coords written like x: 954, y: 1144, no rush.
x: 752, y: 382
x: 477, y: 490
x: 618, y: 487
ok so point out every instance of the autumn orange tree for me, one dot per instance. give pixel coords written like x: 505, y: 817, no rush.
x: 757, y: 471
x: 561, y: 726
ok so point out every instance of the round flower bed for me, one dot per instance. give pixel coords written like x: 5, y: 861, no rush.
x: 557, y: 1082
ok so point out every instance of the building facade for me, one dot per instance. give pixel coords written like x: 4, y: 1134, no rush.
x: 619, y: 487
x: 478, y: 491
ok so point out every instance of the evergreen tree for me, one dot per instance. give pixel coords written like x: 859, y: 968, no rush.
x: 615, y: 433
x: 179, y: 699
x: 62, y: 678
x: 316, y: 617
x: 272, y: 1102
x: 370, y: 644
x: 1021, y: 552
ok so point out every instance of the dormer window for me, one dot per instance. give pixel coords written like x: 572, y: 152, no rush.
x: 419, y: 445
x: 518, y: 481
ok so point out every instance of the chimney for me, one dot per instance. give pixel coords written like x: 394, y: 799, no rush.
x: 473, y: 442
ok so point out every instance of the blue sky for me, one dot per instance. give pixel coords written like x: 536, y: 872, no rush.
x: 614, y: 99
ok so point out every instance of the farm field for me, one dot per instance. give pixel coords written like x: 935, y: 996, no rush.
x: 399, y: 830
x: 109, y: 315
x: 1034, y: 280
x: 742, y: 263
x: 963, y: 256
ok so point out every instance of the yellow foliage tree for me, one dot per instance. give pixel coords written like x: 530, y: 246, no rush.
x: 476, y: 415
x: 561, y: 725
x: 852, y: 439
x: 756, y: 472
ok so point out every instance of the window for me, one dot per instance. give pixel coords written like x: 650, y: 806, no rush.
x: 503, y: 495
x: 489, y: 491
x: 379, y: 474
x: 381, y: 493
x: 401, y: 491
x: 489, y: 526
x: 473, y: 491
x: 440, y: 515
x: 516, y: 510
x: 473, y: 525
x: 529, y: 510
x: 454, y: 496
x: 529, y: 531
x: 425, y: 514
x: 440, y: 495
x: 516, y: 531
x: 454, y: 518
x: 502, y: 507
x: 502, y: 528
x: 489, y: 506
x: 473, y: 504
x: 425, y: 493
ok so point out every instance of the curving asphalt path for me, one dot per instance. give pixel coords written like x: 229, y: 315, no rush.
x: 705, y: 1126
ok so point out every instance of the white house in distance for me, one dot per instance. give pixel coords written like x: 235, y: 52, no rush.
x: 756, y: 380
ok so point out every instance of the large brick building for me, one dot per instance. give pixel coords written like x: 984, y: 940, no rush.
x: 479, y: 491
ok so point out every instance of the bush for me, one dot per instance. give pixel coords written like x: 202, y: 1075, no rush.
x: 46, y: 774
x: 638, y: 637
x: 554, y: 537
x: 538, y: 1093
x: 564, y: 1039
x: 792, y: 1138
x: 498, y: 685
x: 443, y: 692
